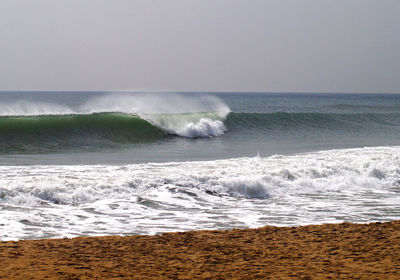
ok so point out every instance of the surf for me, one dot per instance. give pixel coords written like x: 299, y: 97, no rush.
x: 357, y: 185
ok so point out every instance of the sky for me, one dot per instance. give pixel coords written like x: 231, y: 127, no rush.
x: 200, y: 45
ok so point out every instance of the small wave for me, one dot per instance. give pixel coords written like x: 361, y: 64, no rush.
x: 246, y: 187
x: 376, y: 108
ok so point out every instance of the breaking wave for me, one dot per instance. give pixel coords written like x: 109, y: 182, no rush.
x: 29, y: 126
x: 34, y: 133
x: 54, y: 132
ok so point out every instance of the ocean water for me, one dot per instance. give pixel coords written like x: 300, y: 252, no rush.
x: 101, y: 163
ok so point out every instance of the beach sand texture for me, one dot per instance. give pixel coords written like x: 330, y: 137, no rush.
x: 330, y: 251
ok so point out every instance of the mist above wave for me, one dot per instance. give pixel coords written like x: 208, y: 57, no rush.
x: 33, y: 108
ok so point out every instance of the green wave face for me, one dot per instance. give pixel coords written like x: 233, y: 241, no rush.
x: 55, y: 132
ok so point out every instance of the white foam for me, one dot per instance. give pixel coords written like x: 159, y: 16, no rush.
x: 357, y: 185
x: 203, y: 128
x: 246, y: 187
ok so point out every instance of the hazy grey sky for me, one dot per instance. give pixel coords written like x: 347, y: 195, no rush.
x: 203, y: 45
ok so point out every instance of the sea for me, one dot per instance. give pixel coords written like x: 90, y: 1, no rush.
x: 123, y: 163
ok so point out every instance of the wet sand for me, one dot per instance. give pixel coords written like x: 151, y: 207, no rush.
x: 331, y: 251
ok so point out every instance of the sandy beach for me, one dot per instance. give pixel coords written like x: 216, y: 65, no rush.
x: 331, y: 251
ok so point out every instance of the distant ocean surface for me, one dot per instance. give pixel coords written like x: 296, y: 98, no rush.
x: 100, y: 163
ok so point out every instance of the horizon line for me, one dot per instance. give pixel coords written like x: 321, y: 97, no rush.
x: 198, y: 91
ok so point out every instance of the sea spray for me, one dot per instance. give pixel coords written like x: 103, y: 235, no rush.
x: 33, y: 108
x: 155, y: 103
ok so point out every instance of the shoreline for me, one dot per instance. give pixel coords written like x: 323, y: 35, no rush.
x: 308, y: 252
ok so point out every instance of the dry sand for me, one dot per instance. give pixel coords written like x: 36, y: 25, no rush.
x: 332, y: 251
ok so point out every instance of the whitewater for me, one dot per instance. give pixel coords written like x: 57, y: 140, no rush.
x: 356, y: 185
x: 83, y: 164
